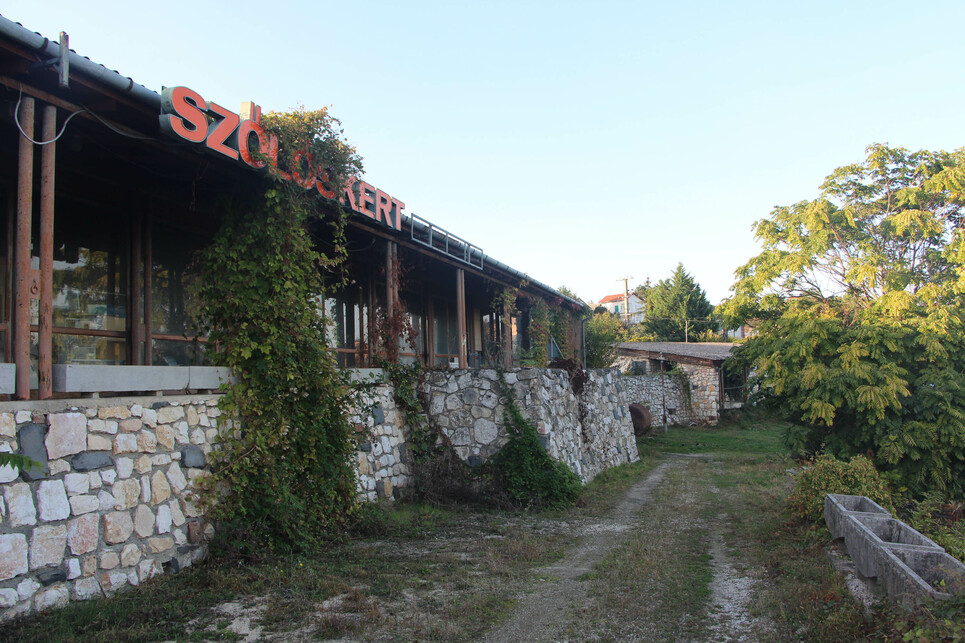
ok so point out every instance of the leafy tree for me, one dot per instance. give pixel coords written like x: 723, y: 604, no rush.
x: 860, y: 336
x: 676, y: 307
x: 602, y: 331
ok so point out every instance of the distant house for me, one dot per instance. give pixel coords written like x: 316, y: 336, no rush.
x: 713, y: 389
x: 630, y: 309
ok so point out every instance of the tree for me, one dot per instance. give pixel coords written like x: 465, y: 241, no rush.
x: 602, y: 332
x: 858, y: 294
x: 677, y: 308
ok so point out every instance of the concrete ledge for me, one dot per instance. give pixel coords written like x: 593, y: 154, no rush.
x: 8, y: 378
x: 838, y: 506
x: 865, y: 534
x: 207, y: 377
x: 911, y: 575
x: 87, y: 378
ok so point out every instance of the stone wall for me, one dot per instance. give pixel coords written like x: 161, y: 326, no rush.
x: 698, y: 405
x: 466, y: 405
x: 382, y: 458
x: 111, y: 505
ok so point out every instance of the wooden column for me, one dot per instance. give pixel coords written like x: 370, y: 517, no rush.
x: 22, y: 277
x: 461, y: 314
x: 391, y: 282
x: 430, y: 329
x: 148, y: 293
x: 507, y: 335
x: 137, y: 301
x: 45, y: 339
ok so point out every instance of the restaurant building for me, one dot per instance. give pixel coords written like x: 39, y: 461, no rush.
x: 107, y: 189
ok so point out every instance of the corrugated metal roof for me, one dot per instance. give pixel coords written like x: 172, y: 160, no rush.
x: 706, y: 350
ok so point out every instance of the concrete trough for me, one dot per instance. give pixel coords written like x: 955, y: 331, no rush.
x: 865, y: 534
x: 838, y: 506
x: 910, y: 574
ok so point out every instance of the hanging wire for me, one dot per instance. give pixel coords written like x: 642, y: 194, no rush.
x: 16, y: 118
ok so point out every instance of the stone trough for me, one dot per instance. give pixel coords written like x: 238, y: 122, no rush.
x: 908, y: 566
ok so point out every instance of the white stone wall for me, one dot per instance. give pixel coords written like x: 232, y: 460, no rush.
x: 112, y: 505
x: 466, y: 405
x: 382, y: 457
x: 700, y: 405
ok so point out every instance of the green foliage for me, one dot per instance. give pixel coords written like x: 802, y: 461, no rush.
x: 539, y: 333
x: 826, y: 474
x: 677, y: 308
x: 531, y: 477
x: 17, y: 461
x: 857, y: 297
x: 603, y: 330
x: 283, y: 476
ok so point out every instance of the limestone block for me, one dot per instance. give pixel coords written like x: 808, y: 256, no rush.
x: 59, y: 466
x: 23, y: 416
x: 110, y: 560
x: 165, y: 436
x: 143, y: 464
x: 118, y: 527
x: 86, y: 589
x: 143, y: 521
x: 8, y: 426
x: 82, y: 536
x: 112, y: 581
x: 88, y: 565
x: 130, y: 555
x: 8, y: 473
x: 164, y: 520
x: 13, y: 555
x: 148, y: 568
x: 67, y: 434
x: 146, y: 442
x: 27, y: 588
x: 197, y: 436
x: 112, y: 426
x: 177, y: 516
x: 160, y: 544
x: 47, y: 545
x: 162, y: 459
x: 181, y: 433
x: 125, y: 443
x: 77, y: 483
x: 146, y: 489
x: 160, y: 488
x: 97, y: 426
x: 8, y: 597
x: 86, y: 504
x: 55, y: 596
x: 20, y: 505
x: 485, y: 431
x: 114, y: 412
x: 191, y: 414
x: 105, y: 500
x: 126, y: 493
x: 149, y: 417
x: 169, y: 414
x: 130, y: 425
x: 124, y: 466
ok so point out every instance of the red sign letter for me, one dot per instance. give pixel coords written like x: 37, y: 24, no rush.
x: 182, y: 114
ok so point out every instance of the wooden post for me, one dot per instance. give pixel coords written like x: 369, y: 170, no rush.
x: 137, y: 302
x: 507, y: 335
x: 461, y: 314
x: 148, y: 293
x: 21, y: 312
x: 48, y: 154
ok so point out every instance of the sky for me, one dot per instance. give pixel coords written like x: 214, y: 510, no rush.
x: 579, y: 142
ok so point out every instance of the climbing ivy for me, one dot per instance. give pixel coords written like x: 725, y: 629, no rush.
x: 282, y: 478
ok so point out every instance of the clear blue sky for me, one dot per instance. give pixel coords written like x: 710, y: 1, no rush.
x: 577, y: 142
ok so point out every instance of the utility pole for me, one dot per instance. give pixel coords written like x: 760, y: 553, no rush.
x: 626, y: 300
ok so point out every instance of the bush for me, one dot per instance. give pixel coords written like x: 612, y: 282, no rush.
x: 826, y: 474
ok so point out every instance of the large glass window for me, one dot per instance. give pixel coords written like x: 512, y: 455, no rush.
x: 347, y: 332
x: 445, y: 331
x: 172, y: 256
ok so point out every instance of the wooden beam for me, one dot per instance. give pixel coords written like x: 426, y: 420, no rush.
x: 21, y: 312
x: 47, y: 186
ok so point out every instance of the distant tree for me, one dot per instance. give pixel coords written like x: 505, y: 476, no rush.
x: 603, y: 331
x: 677, y: 308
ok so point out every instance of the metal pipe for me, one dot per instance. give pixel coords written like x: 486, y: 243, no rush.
x: 21, y: 312
x: 45, y: 335
x: 48, y: 49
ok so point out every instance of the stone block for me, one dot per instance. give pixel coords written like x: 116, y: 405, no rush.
x: 192, y: 457
x: 143, y: 464
x: 125, y: 443
x: 87, y: 378
x: 8, y: 473
x: 208, y: 377
x: 31, y: 438
x: 911, y: 575
x: 164, y: 520
x: 124, y: 467
x: 82, y: 535
x: 130, y: 425
x: 118, y: 527
x: 160, y: 544
x: 191, y: 415
x: 86, y: 589
x: 112, y: 581
x: 67, y: 434
x: 148, y: 568
x: 109, y: 477
x: 52, y: 500
x: 73, y: 568
x: 146, y: 489
x: 177, y: 516
x: 176, y: 477
x: 8, y: 426
x: 170, y: 414
x: 77, y: 483
x: 146, y: 442
x: 485, y: 431
x: 54, y: 597
x: 165, y: 436
x: 27, y: 588
x: 91, y: 460
x: 58, y: 466
x: 47, y: 545
x: 13, y: 556
x: 160, y: 488
x: 130, y: 555
x: 110, y: 560
x: 8, y: 597
x: 143, y: 521
x: 149, y: 417
x: 127, y: 493
x: 50, y: 575
x: 20, y: 505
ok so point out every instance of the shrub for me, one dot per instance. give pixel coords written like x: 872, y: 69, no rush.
x: 826, y: 474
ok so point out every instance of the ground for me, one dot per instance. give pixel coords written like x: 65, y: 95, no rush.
x: 685, y: 545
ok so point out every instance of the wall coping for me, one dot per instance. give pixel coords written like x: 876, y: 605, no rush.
x: 56, y: 405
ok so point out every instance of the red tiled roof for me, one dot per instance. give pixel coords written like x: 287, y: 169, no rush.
x: 609, y: 299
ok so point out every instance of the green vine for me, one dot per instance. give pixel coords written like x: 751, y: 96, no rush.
x: 283, y: 477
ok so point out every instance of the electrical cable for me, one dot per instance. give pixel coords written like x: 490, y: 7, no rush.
x: 16, y: 118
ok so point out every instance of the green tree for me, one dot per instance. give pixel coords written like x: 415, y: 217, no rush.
x: 602, y: 332
x: 858, y: 295
x: 677, y: 308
